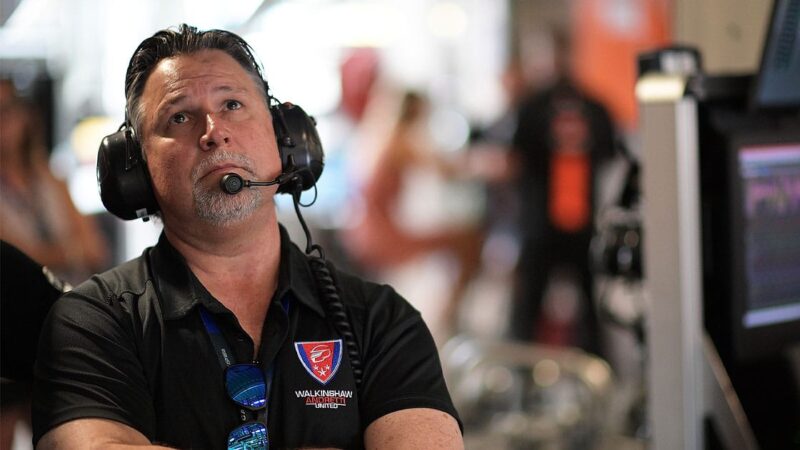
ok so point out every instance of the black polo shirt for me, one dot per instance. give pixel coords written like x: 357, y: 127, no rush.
x: 130, y: 345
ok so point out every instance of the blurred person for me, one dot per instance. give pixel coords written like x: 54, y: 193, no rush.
x: 562, y: 138
x: 491, y: 160
x: 36, y: 211
x: 27, y: 291
x: 382, y: 238
x: 488, y: 161
x: 164, y: 349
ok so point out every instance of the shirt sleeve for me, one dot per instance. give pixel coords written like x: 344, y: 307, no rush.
x: 402, y: 369
x: 87, y: 364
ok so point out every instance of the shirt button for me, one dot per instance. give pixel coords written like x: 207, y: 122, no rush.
x: 241, y: 337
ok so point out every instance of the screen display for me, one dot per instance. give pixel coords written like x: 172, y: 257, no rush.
x: 770, y: 177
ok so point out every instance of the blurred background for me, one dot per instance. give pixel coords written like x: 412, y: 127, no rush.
x: 481, y: 156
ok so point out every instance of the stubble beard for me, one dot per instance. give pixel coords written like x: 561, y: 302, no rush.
x: 216, y: 207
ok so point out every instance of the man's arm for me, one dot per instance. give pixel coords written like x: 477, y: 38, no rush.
x: 93, y: 434
x: 87, y: 369
x: 416, y: 428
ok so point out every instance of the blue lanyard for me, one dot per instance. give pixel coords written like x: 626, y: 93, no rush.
x: 224, y: 354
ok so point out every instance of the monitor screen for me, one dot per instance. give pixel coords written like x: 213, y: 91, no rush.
x: 750, y: 210
x: 778, y: 82
x: 770, y: 183
x: 765, y: 242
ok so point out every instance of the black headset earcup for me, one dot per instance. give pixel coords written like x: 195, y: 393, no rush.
x: 123, y: 178
x: 299, y: 145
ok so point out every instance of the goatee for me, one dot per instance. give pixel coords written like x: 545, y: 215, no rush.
x: 217, y: 207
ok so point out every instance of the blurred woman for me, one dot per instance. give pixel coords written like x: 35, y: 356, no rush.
x: 384, y: 238
x: 37, y: 214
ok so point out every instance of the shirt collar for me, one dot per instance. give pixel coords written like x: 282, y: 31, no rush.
x: 180, y: 291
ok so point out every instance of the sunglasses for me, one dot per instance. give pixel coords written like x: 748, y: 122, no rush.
x: 246, y: 386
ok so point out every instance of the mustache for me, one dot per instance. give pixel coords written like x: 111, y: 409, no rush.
x: 219, y: 157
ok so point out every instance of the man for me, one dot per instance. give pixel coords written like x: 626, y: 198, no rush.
x: 563, y: 137
x: 142, y: 354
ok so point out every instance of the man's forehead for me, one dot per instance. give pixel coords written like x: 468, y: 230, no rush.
x: 178, y: 78
x: 205, y: 64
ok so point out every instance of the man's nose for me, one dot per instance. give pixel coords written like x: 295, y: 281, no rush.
x: 216, y: 133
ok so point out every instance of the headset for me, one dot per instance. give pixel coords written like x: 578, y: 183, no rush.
x: 126, y: 189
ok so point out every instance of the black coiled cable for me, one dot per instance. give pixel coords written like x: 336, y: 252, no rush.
x: 336, y: 312
x: 330, y: 293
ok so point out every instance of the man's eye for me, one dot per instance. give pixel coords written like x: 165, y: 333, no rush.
x: 178, y: 118
x: 233, y: 104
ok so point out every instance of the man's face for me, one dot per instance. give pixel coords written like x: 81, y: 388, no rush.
x: 205, y: 116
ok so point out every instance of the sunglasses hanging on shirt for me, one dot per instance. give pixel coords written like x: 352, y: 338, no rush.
x: 247, y: 387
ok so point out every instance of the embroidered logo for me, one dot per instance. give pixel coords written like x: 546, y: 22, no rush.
x: 321, y: 359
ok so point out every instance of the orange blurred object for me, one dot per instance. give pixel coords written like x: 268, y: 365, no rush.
x: 608, y: 35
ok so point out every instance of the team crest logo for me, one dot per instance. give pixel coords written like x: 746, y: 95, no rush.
x: 321, y: 359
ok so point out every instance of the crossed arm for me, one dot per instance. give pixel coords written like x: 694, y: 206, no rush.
x: 418, y: 428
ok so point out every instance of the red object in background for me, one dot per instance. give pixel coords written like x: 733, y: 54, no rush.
x: 570, y: 174
x: 607, y: 37
x: 359, y: 70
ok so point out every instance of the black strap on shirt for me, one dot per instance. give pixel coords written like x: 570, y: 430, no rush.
x: 217, y: 339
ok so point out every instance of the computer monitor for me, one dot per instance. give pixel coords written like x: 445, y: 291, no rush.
x: 764, y: 218
x: 749, y: 130
x: 750, y: 208
x: 750, y: 216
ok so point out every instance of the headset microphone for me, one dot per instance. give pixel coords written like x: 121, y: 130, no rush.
x: 233, y: 183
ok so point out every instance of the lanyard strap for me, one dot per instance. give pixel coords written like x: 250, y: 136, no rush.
x: 217, y: 339
x: 223, y: 352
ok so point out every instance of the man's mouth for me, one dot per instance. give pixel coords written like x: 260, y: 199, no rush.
x: 221, y: 163
x: 222, y: 169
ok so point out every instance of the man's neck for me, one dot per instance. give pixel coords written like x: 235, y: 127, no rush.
x: 237, y: 264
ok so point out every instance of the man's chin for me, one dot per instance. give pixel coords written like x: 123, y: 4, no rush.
x: 220, y: 209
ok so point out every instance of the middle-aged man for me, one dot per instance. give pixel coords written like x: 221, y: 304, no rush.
x: 154, y: 351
